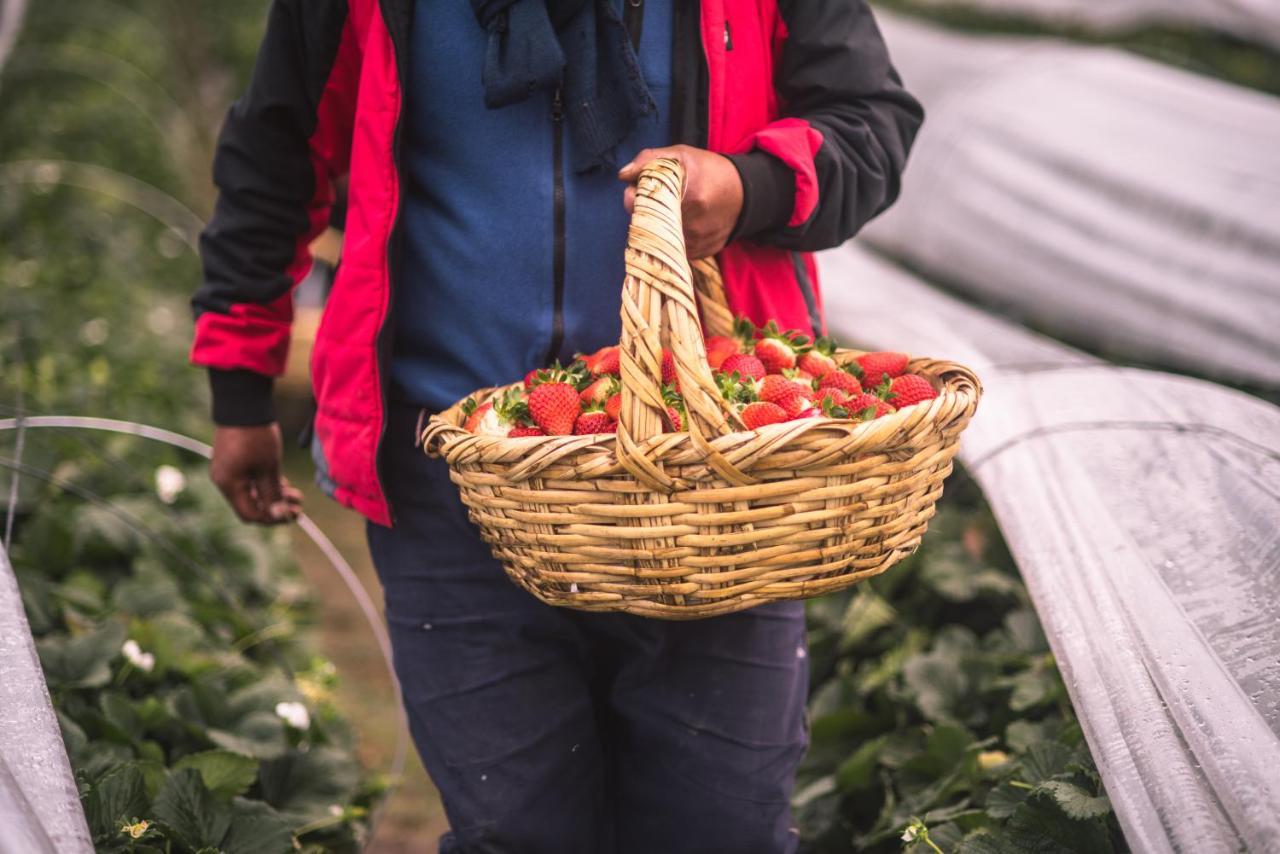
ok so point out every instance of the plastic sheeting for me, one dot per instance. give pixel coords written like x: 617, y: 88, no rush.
x: 39, y: 804
x: 1143, y: 510
x: 1113, y: 201
x: 1258, y: 20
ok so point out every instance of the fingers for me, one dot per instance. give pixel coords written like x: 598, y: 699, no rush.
x: 629, y: 198
x: 269, y: 491
x: 631, y: 171
x: 241, y: 497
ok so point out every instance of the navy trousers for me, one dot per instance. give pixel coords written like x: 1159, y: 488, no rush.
x: 565, y: 732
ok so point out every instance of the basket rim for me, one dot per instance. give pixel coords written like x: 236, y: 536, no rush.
x: 958, y: 392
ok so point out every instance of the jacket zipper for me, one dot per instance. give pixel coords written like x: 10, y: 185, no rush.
x: 557, y: 213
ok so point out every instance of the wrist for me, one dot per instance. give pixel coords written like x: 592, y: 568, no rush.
x: 768, y: 193
x: 241, y: 398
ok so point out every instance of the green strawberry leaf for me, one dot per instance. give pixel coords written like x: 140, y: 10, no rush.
x: 223, y: 772
x: 191, y: 811
x: 256, y: 829
x: 119, y: 796
x: 1075, y: 801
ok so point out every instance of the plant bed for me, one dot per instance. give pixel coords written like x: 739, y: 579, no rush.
x: 193, y: 716
x: 938, y: 717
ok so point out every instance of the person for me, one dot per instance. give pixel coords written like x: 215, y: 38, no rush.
x: 486, y: 221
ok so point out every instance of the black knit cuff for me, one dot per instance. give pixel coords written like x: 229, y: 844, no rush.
x: 768, y: 193
x: 241, y: 398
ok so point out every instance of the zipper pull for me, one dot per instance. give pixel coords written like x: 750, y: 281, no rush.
x: 728, y: 37
x: 557, y: 107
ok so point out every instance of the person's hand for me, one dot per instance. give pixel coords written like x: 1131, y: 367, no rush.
x: 712, y: 195
x: 246, y: 467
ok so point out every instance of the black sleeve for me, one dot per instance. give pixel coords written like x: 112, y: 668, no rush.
x: 835, y: 74
x: 266, y: 182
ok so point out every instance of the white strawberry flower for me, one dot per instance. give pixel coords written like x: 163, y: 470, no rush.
x: 294, y: 714
x: 909, y: 835
x: 170, y: 483
x: 144, y: 661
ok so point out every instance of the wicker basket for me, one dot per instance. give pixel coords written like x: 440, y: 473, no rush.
x: 718, y: 518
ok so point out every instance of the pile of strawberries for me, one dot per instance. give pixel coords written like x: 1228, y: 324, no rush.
x: 766, y: 376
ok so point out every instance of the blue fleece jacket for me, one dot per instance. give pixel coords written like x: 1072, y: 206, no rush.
x: 475, y: 299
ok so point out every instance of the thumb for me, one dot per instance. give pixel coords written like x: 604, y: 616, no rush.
x: 271, y: 498
x: 631, y: 171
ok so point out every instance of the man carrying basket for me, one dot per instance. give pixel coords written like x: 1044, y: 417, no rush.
x: 484, y: 237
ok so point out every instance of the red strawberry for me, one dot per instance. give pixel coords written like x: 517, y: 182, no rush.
x: 744, y: 365
x: 795, y: 405
x: 594, y: 422
x: 521, y: 430
x: 775, y: 386
x: 778, y: 350
x: 613, y: 405
x: 910, y: 389
x: 531, y: 378
x: 841, y: 380
x: 875, y: 366
x: 719, y: 348
x: 800, y: 375
x: 599, y: 391
x: 837, y: 397
x: 864, y: 407
x: 475, y: 414
x: 554, y: 407
x: 668, y: 366
x: 757, y: 415
x: 603, y: 361
x: 817, y: 360
x: 675, y: 407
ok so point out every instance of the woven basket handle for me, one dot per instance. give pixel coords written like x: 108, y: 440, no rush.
x: 659, y: 307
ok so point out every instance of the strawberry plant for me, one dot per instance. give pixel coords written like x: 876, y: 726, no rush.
x: 939, y: 721
x: 194, y: 717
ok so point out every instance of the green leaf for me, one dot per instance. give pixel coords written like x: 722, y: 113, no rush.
x: 1075, y: 801
x: 119, y: 713
x: 191, y: 811
x: 1039, y: 826
x: 858, y: 772
x: 867, y: 613
x: 1004, y: 799
x: 939, y: 679
x: 302, y: 786
x: 83, y: 661
x: 257, y: 829
x: 1044, y: 760
x: 223, y: 772
x: 1031, y: 688
x: 1019, y: 735
x: 117, y: 798
x: 258, y: 734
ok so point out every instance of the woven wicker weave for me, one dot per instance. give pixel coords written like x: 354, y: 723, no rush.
x: 718, y: 518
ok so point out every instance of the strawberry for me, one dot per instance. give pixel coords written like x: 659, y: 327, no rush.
x: 910, y: 389
x: 613, y: 405
x: 758, y: 414
x: 668, y: 366
x: 777, y: 351
x: 531, y: 378
x: 602, y: 361
x: 589, y: 423
x: 775, y: 386
x: 800, y: 375
x: 719, y: 348
x: 575, y: 374
x: 835, y: 396
x: 734, y: 389
x: 864, y: 407
x: 796, y: 405
x: 875, y: 366
x: 599, y: 391
x: 521, y: 430
x: 842, y: 380
x: 475, y: 414
x: 744, y: 365
x: 817, y: 360
x: 675, y: 407
x: 554, y: 407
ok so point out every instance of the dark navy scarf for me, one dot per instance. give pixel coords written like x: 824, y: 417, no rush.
x: 579, y: 46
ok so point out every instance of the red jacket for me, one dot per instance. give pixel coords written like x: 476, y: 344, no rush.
x: 801, y: 90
